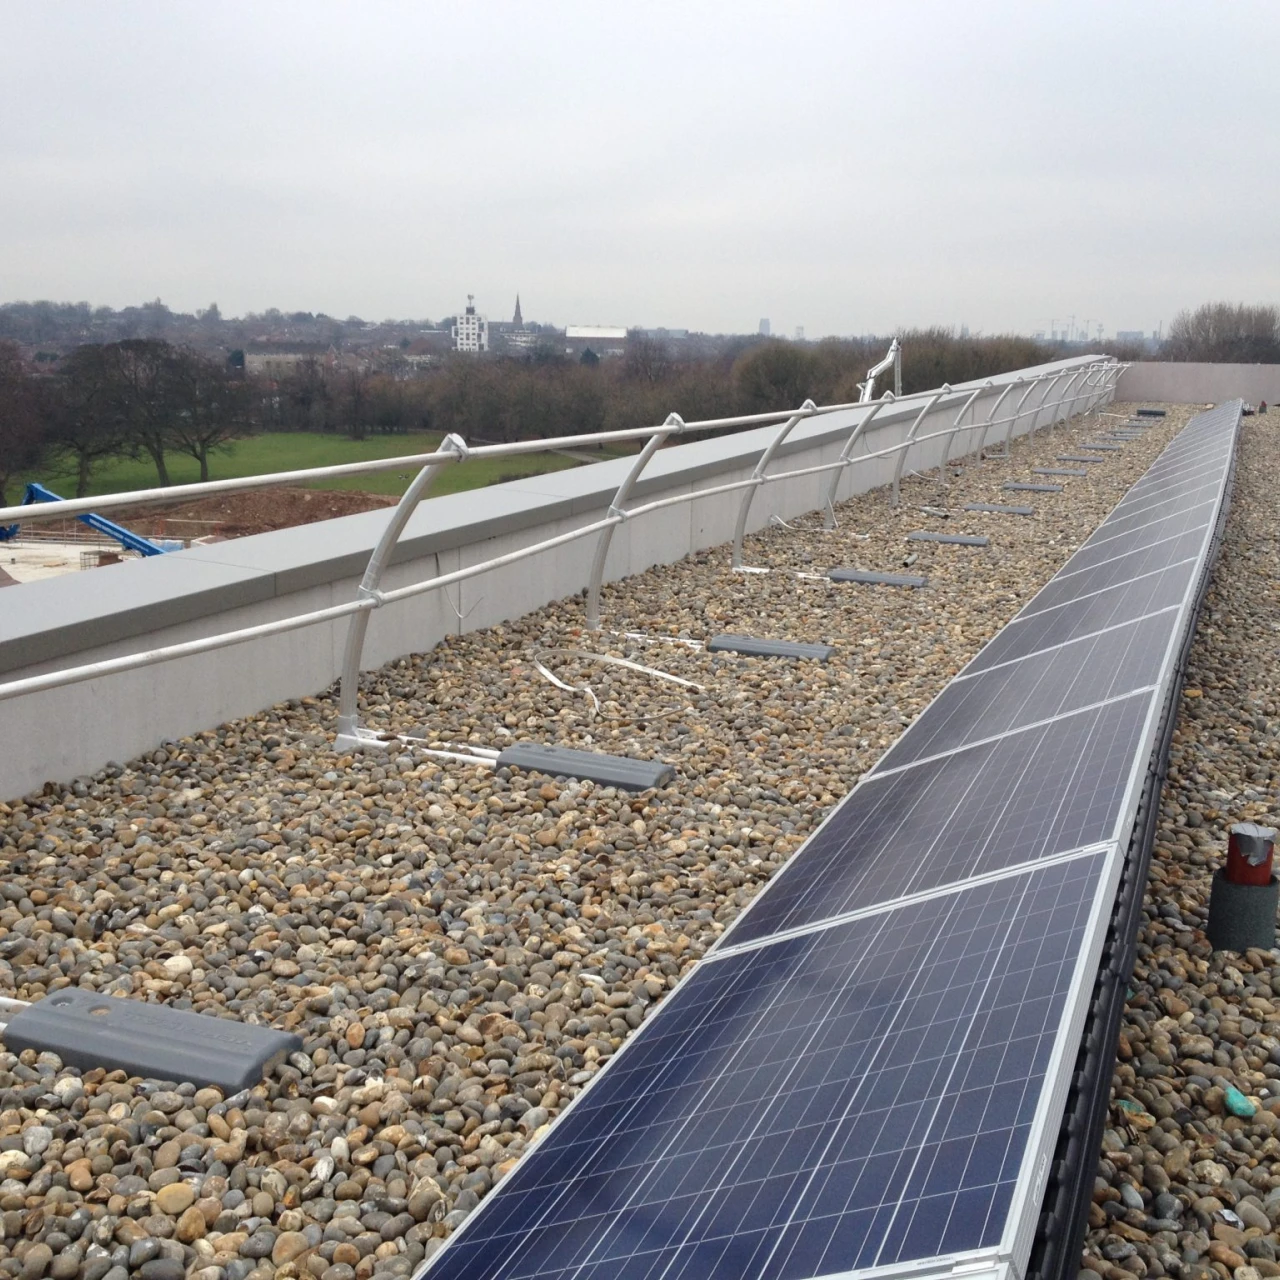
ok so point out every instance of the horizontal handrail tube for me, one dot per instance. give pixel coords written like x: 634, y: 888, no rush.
x: 44, y: 512
x: 188, y: 648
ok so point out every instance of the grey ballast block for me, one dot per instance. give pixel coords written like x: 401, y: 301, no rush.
x: 1023, y: 487
x: 999, y: 508
x: 768, y: 648
x: 610, y: 771
x: 1078, y: 457
x: 1124, y: 435
x: 1150, y: 413
x: 959, y: 539
x: 874, y: 579
x: 87, y: 1030
x: 1098, y: 447
x: 1058, y: 471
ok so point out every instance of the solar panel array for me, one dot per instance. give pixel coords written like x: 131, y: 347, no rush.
x: 869, y: 1068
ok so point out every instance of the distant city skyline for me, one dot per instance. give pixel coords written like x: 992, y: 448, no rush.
x: 848, y: 169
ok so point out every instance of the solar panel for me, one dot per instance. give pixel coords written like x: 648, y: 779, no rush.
x: 975, y: 811
x: 1121, y: 520
x: 1199, y: 473
x: 869, y: 1068
x: 1120, y: 568
x: 1123, y: 603
x: 858, y: 1096
x: 1046, y: 684
x: 1122, y: 534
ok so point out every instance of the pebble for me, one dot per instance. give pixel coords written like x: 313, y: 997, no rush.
x: 460, y: 949
x: 1200, y: 1037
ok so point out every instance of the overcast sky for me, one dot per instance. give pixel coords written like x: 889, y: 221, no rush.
x: 849, y: 167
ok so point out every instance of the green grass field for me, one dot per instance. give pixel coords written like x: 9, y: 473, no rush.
x: 294, y: 450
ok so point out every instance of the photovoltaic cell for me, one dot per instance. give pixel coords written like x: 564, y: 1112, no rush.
x: 853, y: 1097
x: 977, y: 810
x: 1124, y: 603
x: 1047, y: 684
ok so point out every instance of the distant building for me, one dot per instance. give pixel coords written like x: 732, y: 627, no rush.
x: 1130, y: 335
x: 603, y: 339
x: 964, y: 330
x: 799, y: 333
x: 765, y: 328
x: 471, y: 332
x: 285, y: 362
x: 517, y: 320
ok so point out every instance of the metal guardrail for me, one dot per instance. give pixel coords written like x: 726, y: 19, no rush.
x: 1088, y: 385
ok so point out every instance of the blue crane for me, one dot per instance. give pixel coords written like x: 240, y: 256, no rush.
x: 126, y: 537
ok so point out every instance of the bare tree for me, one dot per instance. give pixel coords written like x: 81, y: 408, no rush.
x: 87, y: 423
x: 354, y: 392
x: 143, y: 385
x: 211, y: 408
x: 24, y: 437
x: 647, y: 359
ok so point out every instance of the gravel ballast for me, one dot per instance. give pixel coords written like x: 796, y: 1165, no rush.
x: 1188, y: 1183
x: 461, y: 948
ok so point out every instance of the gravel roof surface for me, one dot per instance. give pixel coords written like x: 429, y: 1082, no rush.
x: 460, y: 949
x: 1188, y: 1184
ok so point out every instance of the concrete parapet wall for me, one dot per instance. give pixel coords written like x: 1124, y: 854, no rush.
x: 1176, y: 382
x: 146, y: 604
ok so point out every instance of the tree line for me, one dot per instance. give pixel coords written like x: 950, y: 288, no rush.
x: 1225, y: 333
x: 147, y: 397
x: 140, y: 397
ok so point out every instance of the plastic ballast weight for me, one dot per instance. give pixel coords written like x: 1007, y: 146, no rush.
x: 610, y: 771
x: 89, y: 1030
x: 755, y: 648
x: 873, y: 579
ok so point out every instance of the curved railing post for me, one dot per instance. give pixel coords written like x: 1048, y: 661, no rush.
x: 348, y: 737
x: 1069, y: 398
x: 757, y: 476
x: 1088, y: 390
x: 1102, y: 387
x: 846, y: 457
x: 1017, y: 413
x: 991, y: 417
x: 944, y: 390
x: 1044, y: 401
x: 1107, y: 387
x: 955, y: 427
x: 673, y: 424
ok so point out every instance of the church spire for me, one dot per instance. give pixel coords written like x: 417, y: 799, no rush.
x: 518, y: 319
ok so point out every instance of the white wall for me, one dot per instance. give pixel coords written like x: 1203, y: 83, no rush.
x: 1191, y: 383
